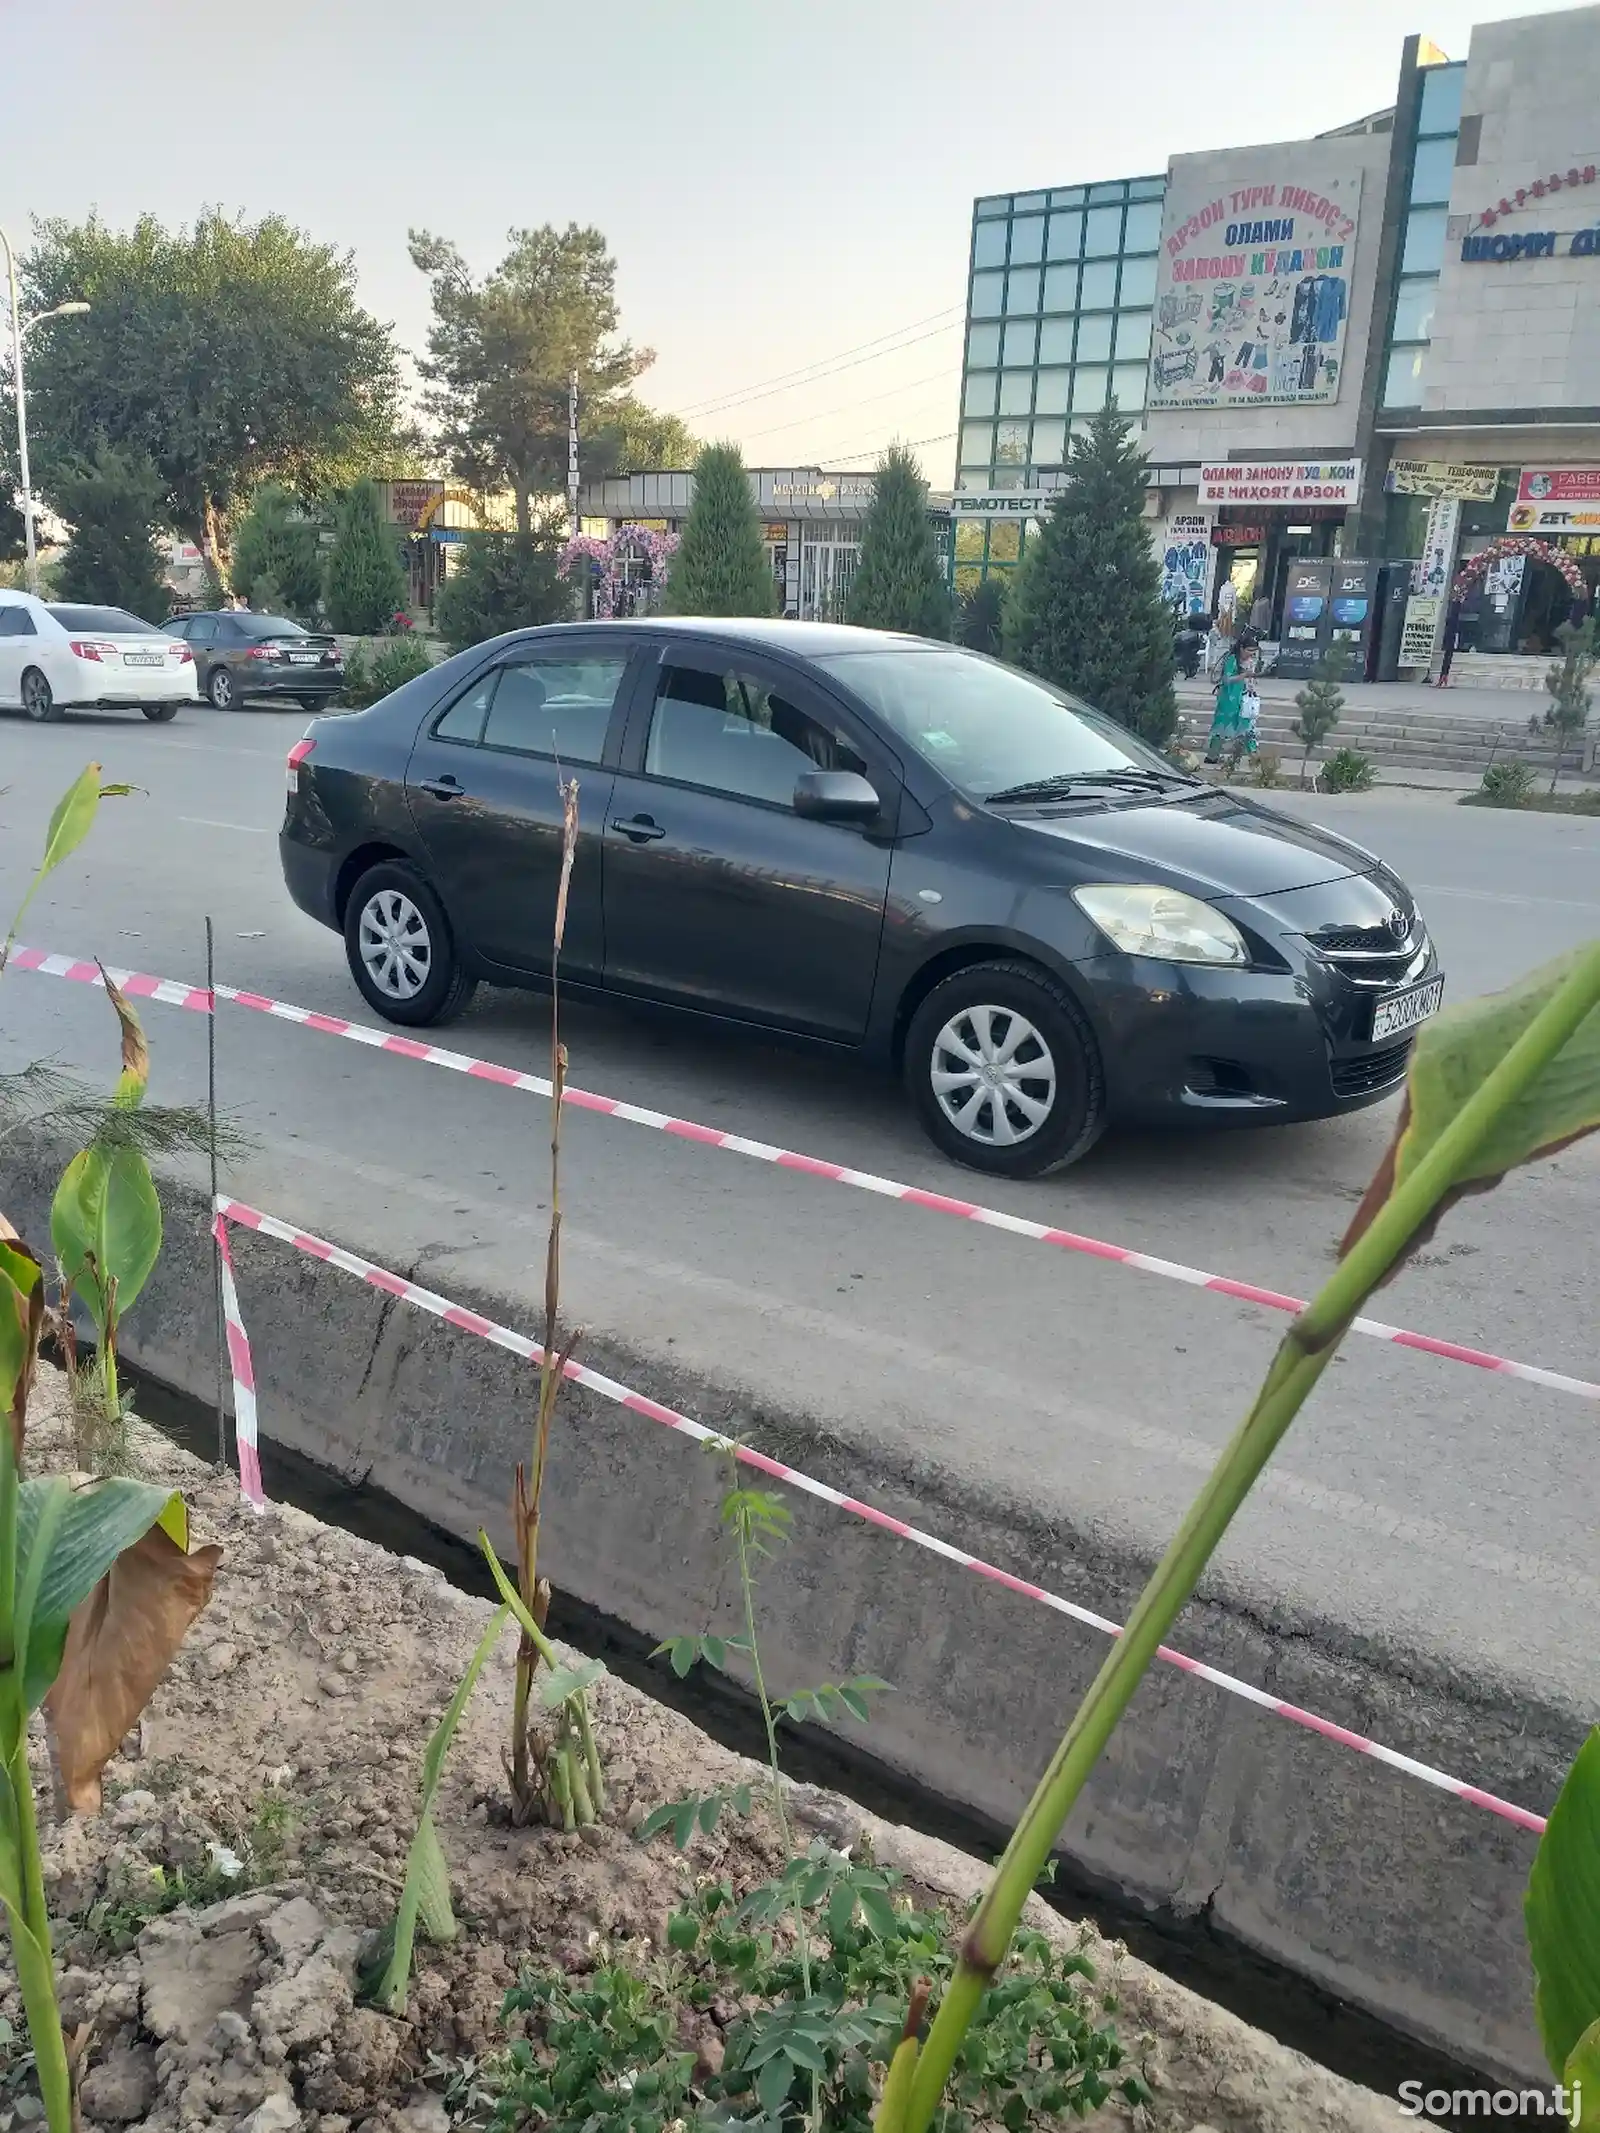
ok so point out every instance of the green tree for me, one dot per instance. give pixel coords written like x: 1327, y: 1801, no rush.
x: 1568, y: 683
x: 1320, y: 703
x: 634, y: 439
x: 899, y: 584
x: 1086, y: 610
x: 366, y: 584
x: 501, y: 353
x: 233, y: 354
x: 720, y: 567
x: 276, y: 545
x: 114, y: 502
x: 505, y: 581
x: 980, y: 616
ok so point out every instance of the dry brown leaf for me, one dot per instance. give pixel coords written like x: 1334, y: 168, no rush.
x: 119, y: 1644
x: 135, y: 1051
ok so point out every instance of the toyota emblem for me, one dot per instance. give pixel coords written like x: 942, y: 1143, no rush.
x: 1399, y: 925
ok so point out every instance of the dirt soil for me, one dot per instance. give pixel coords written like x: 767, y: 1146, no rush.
x: 286, y: 1740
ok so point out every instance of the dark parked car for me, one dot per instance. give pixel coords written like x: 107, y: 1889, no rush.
x: 239, y: 654
x: 882, y: 844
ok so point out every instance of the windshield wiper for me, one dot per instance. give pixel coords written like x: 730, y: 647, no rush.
x: 1067, y: 781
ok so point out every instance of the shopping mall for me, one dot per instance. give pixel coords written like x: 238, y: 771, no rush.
x: 1367, y: 364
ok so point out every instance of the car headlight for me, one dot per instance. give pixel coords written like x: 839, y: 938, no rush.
x: 1142, y: 919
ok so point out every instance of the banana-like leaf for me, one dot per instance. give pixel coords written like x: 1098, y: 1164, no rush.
x: 426, y: 1895
x: 564, y: 1681
x: 67, y: 1539
x: 73, y: 819
x: 120, y: 1643
x: 1455, y: 1054
x: 105, y: 1225
x: 21, y: 1316
x: 135, y: 1075
x: 1583, y: 2073
x: 1563, y: 1913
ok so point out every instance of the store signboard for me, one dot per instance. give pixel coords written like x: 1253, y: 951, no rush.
x: 1556, y: 500
x: 1282, y: 481
x: 1253, y: 294
x: 409, y: 501
x: 1437, y: 477
x: 1420, y: 630
x: 1430, y: 576
x: 1239, y: 533
x: 1001, y: 503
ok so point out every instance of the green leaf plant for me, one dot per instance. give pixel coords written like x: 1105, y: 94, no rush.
x: 1493, y: 1084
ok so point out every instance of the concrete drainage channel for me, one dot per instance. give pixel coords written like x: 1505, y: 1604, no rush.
x: 1336, y: 1903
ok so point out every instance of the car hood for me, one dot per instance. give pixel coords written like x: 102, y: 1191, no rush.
x: 1223, y: 845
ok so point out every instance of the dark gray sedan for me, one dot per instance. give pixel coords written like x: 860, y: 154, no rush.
x: 238, y: 654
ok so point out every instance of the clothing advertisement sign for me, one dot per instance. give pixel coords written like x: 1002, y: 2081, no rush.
x: 1431, y: 576
x: 1282, y: 481
x: 1435, y: 477
x: 1423, y: 616
x: 1254, y: 291
x: 1307, y: 594
x: 1184, y: 552
x: 1556, y: 500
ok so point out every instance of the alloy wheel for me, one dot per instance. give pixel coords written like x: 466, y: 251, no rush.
x: 395, y: 948
x: 993, y: 1076
x: 38, y: 699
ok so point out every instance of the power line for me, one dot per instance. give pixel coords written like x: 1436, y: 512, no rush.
x: 883, y: 444
x: 825, y: 366
x: 935, y: 377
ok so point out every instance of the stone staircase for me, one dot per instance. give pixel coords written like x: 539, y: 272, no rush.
x: 1404, y: 738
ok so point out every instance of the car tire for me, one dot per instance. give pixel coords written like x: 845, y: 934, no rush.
x: 39, y: 699
x: 159, y: 714
x: 392, y: 903
x: 1014, y: 1017
x: 221, y: 690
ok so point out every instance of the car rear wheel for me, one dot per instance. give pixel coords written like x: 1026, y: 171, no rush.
x: 160, y: 713
x: 401, y: 950
x: 38, y: 698
x: 220, y: 689
x: 1005, y: 1072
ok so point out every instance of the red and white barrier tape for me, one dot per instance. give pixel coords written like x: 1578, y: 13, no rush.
x: 244, y: 1376
x: 520, y: 1344
x: 141, y: 987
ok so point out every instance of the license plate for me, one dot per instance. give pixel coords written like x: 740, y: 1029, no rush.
x: 304, y: 659
x: 144, y: 659
x: 1404, y: 1010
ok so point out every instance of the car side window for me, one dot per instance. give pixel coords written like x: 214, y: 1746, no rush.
x: 17, y: 622
x: 229, y: 631
x: 730, y: 732
x: 555, y: 707
x: 464, y: 719
x: 202, y: 630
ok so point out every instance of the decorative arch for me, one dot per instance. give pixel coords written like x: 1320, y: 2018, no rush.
x: 1471, y: 571
x: 610, y: 559
x: 435, y: 504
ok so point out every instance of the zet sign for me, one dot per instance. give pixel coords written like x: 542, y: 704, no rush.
x: 1282, y: 481
x: 1556, y: 500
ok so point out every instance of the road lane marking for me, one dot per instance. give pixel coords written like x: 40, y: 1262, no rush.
x: 241, y: 829
x: 1494, y: 896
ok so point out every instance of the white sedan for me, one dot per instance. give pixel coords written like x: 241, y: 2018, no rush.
x: 55, y: 657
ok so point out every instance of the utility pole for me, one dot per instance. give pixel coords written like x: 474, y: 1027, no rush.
x: 572, y: 453
x: 19, y: 327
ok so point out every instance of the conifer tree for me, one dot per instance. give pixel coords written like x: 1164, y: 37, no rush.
x: 899, y: 584
x: 720, y: 567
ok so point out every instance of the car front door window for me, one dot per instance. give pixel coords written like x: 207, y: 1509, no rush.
x: 730, y: 732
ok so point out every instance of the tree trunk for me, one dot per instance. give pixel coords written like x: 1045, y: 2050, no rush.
x: 215, y: 542
x: 524, y: 509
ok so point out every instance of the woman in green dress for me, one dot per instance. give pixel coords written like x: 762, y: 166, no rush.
x: 1229, y: 725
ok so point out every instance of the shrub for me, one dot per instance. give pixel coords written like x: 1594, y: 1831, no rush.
x: 277, y: 565
x: 1269, y: 768
x: 506, y: 581
x: 366, y: 585
x: 1507, y: 784
x: 1320, y: 704
x: 370, y: 674
x: 1348, y: 770
x: 979, y: 616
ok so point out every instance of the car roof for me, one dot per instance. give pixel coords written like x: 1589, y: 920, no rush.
x: 811, y: 640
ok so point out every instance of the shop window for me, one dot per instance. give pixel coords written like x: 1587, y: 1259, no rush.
x: 1010, y: 443
x: 1413, y: 310
x: 1067, y: 196
x: 1060, y: 288
x: 969, y: 540
x: 1016, y: 392
x: 1027, y: 239
x: 988, y: 295
x: 1441, y: 99
x: 977, y: 442
x: 1099, y: 289
x: 1055, y: 341
x: 1148, y: 189
x: 1006, y: 476
x: 1049, y: 443
x: 978, y: 398
x: 1112, y: 190
x: 1402, y: 383
x: 1022, y: 289
x: 1018, y: 344
x: 983, y: 347
x: 989, y: 245
x: 996, y: 204
x: 1089, y: 389
x: 1127, y: 387
x: 1133, y: 336
x: 1052, y: 396
x: 1143, y: 233
x: 1066, y: 237
x: 1102, y: 232
x: 1094, y: 340
x: 1138, y: 282
x: 1433, y: 169
x: 1005, y: 541
x: 973, y: 478
x: 1425, y: 230
x: 1026, y: 203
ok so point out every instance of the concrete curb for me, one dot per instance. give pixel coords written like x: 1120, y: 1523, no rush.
x: 1359, y: 1880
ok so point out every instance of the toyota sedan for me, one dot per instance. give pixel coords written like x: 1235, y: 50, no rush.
x: 56, y: 657
x: 872, y: 842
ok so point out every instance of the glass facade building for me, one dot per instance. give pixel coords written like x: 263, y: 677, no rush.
x: 1061, y: 286
x: 1422, y: 244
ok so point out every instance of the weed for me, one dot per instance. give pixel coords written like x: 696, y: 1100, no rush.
x: 117, y: 1923
x: 1506, y: 784
x: 1348, y: 770
x: 1269, y: 768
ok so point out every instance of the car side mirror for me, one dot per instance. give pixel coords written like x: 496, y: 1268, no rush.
x: 836, y: 796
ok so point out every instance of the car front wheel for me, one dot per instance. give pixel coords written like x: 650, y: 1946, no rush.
x: 38, y: 698
x: 1004, y: 1071
x: 159, y: 713
x: 401, y: 950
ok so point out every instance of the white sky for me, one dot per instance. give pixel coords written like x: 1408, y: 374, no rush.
x: 779, y: 186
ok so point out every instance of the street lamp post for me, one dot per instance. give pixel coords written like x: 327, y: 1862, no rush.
x: 19, y: 328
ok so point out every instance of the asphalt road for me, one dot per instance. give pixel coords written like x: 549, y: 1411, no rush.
x: 1421, y: 1505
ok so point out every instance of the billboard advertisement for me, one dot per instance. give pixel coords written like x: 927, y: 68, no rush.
x: 1307, y: 593
x: 1556, y: 500
x: 1253, y: 293
x: 1184, y: 550
x: 1281, y: 481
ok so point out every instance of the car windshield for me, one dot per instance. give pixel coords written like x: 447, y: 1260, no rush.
x: 107, y: 621
x: 266, y: 626
x: 991, y: 728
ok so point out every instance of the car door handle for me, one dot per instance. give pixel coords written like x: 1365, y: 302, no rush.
x: 445, y: 788
x: 640, y: 828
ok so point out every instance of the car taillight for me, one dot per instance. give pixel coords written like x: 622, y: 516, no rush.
x: 265, y: 651
x: 297, y: 755
x: 94, y: 648
x: 181, y: 653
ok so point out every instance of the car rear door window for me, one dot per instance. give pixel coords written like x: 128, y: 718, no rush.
x: 555, y: 707
x: 464, y: 719
x: 17, y: 622
x: 729, y: 731
x: 203, y: 629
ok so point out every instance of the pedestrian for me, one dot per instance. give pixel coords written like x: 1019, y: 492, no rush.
x: 1231, y: 726
x: 1452, y: 630
x: 1261, y: 615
